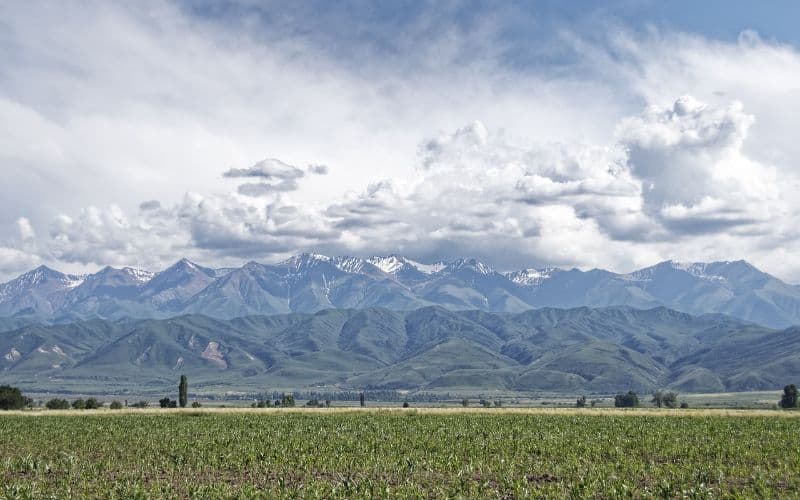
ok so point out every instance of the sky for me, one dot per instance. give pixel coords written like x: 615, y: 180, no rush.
x: 526, y: 134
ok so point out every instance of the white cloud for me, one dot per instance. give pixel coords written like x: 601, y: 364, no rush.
x: 138, y: 110
x: 26, y: 231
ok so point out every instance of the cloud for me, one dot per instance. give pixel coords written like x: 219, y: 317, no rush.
x: 317, y: 169
x: 693, y: 168
x: 675, y: 177
x: 150, y: 205
x: 269, y: 169
x: 443, y: 143
x: 26, y: 232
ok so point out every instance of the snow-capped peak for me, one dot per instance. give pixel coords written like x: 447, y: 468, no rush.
x: 352, y: 265
x: 304, y: 260
x: 697, y: 269
x: 472, y: 264
x: 140, y: 275
x: 530, y: 277
x: 390, y: 264
x: 393, y: 264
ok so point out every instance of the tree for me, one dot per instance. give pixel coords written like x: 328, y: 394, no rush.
x: 115, y: 405
x: 684, y: 405
x: 662, y: 398
x: 581, y: 402
x: 465, y: 402
x: 57, y: 404
x: 183, y: 391
x: 361, y: 399
x: 93, y: 404
x: 167, y: 403
x: 287, y: 400
x: 196, y: 404
x: 11, y: 398
x: 79, y: 404
x: 789, y: 397
x: 628, y: 400
x: 405, y: 404
x: 658, y: 399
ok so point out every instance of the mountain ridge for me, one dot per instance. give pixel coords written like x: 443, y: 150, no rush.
x: 587, y: 350
x: 311, y: 282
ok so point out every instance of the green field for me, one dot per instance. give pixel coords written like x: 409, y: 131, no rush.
x: 425, y: 453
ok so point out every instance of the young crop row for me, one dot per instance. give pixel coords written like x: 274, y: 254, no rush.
x: 202, y: 454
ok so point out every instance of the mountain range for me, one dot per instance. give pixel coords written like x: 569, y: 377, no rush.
x: 580, y: 350
x: 309, y: 283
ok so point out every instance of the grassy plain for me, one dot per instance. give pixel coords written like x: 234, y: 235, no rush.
x: 408, y: 453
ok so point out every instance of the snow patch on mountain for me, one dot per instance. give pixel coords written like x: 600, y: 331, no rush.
x: 352, y: 265
x: 530, y: 277
x: 390, y: 264
x: 698, y: 269
x: 468, y: 264
x: 393, y: 264
x: 139, y: 275
x: 13, y: 355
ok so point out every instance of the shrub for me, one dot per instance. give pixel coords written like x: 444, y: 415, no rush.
x: 405, y: 404
x: 140, y: 404
x: 115, y: 405
x: 196, y: 404
x: 465, y: 402
x: 57, y: 404
x: 581, y: 402
x: 684, y: 405
x: 628, y: 400
x: 11, y: 398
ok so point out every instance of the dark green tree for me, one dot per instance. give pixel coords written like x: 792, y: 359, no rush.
x: 581, y: 402
x: 628, y: 400
x: 57, y: 404
x: 167, y: 403
x: 183, y: 391
x: 11, y: 398
x: 287, y: 400
x: 789, y: 397
x: 93, y: 404
x: 361, y: 399
x: 79, y: 404
x: 115, y: 405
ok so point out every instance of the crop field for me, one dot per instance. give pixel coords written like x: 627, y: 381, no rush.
x: 399, y: 453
